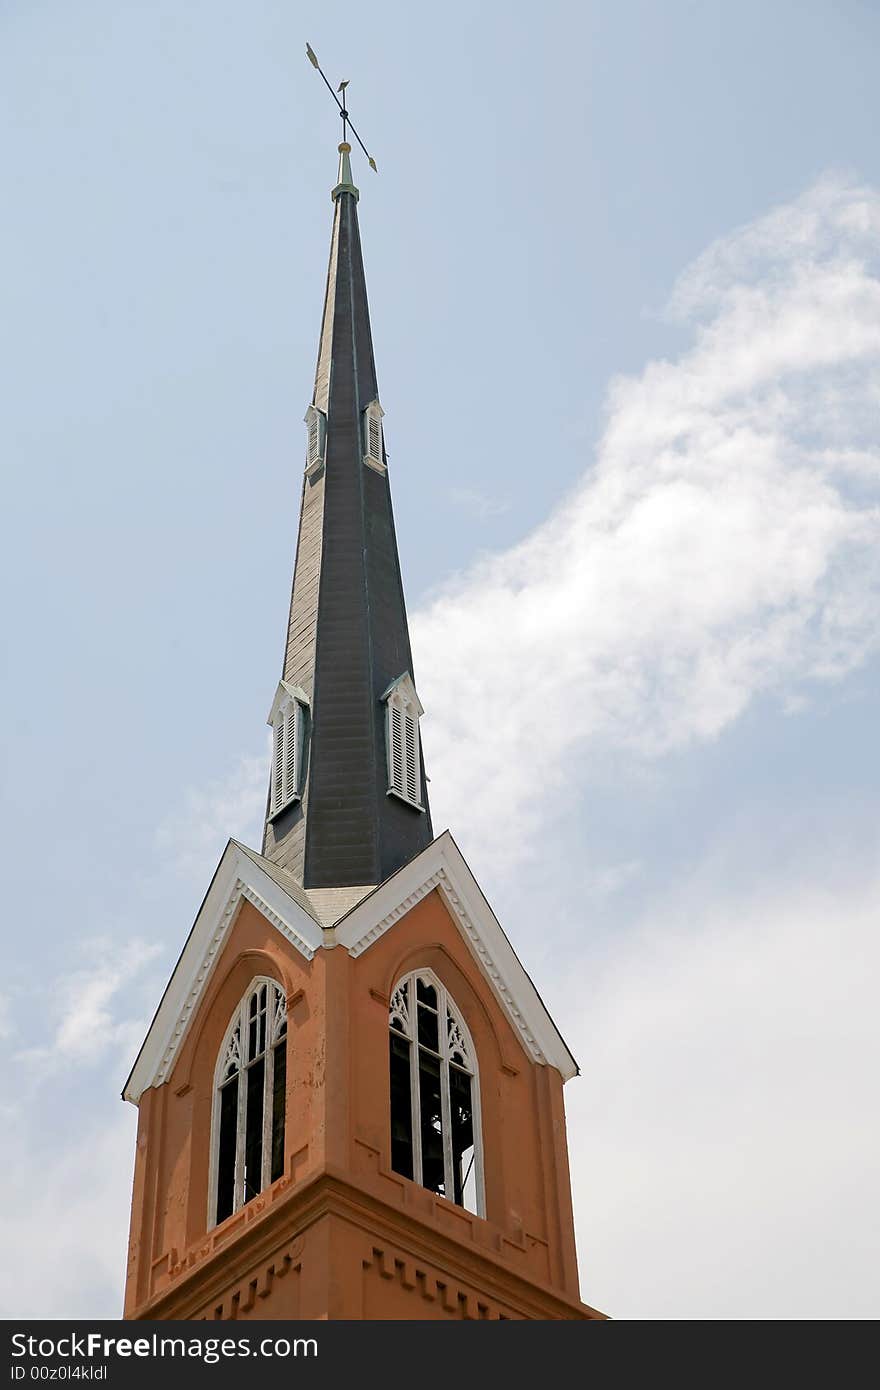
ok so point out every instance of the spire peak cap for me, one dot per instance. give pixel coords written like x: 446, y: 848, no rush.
x: 344, y: 181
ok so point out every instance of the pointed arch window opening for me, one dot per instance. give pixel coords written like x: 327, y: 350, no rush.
x: 435, y: 1105
x: 250, y: 1084
x: 374, y: 451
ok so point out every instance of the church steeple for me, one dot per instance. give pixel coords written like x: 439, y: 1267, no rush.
x: 350, y: 1096
x: 348, y: 803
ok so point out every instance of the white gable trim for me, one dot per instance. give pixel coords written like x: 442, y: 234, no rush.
x: 286, y: 692
x: 442, y: 866
x: 237, y: 878
x: 404, y: 688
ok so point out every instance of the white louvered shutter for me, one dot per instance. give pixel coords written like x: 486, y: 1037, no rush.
x: 291, y: 751
x: 374, y: 436
x: 278, y: 764
x: 411, y: 740
x: 396, y: 741
x: 314, y: 436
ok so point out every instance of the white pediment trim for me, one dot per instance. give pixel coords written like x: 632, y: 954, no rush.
x: 442, y: 866
x: 237, y: 878
x: 283, y: 695
x: 403, y: 691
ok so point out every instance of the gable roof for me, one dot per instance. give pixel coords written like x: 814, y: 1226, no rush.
x: 242, y: 873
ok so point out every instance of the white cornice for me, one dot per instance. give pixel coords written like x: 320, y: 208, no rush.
x: 237, y: 877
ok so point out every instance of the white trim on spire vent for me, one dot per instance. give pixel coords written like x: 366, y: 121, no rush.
x: 373, y: 453
x: 287, y: 718
x: 316, y: 439
x: 403, y: 710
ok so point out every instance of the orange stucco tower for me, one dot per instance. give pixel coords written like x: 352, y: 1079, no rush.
x: 350, y: 1097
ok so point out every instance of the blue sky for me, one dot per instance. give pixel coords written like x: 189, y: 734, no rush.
x: 623, y: 270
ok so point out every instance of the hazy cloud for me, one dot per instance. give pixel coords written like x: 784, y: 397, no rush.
x: 193, y: 835
x: 724, y: 544
x: 722, y: 1139
x: 83, y: 1005
x: 479, y: 505
x: 71, y: 1201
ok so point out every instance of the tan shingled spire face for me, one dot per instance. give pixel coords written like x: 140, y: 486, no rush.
x: 322, y: 375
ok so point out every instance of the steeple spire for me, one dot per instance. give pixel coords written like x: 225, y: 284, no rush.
x: 348, y: 803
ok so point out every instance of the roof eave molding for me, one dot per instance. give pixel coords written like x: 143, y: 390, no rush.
x: 443, y: 866
x: 237, y: 877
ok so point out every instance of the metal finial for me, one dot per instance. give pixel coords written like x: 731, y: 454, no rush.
x: 346, y: 122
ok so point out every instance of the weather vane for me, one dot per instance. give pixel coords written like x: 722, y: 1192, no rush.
x: 346, y: 123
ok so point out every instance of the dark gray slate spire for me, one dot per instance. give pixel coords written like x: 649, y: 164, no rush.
x: 347, y: 637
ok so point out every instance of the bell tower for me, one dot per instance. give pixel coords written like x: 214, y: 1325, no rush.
x: 350, y: 1097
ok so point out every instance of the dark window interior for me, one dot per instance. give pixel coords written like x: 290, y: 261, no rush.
x: 431, y: 1123
x: 226, y: 1149
x: 253, y: 1137
x: 279, y: 1084
x: 440, y: 1091
x: 401, y: 1108
x: 462, y: 1130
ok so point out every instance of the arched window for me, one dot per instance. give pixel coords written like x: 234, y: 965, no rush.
x: 249, y: 1094
x: 435, y: 1101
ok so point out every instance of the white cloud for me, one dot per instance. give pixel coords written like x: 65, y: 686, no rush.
x: 723, y: 1137
x: 726, y: 543
x: 82, y: 1153
x: 194, y: 835
x: 87, y: 1025
x: 65, y: 1217
x: 81, y: 1005
x: 478, y: 504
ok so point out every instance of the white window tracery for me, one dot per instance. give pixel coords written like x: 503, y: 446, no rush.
x: 434, y: 1082
x: 247, y: 1138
